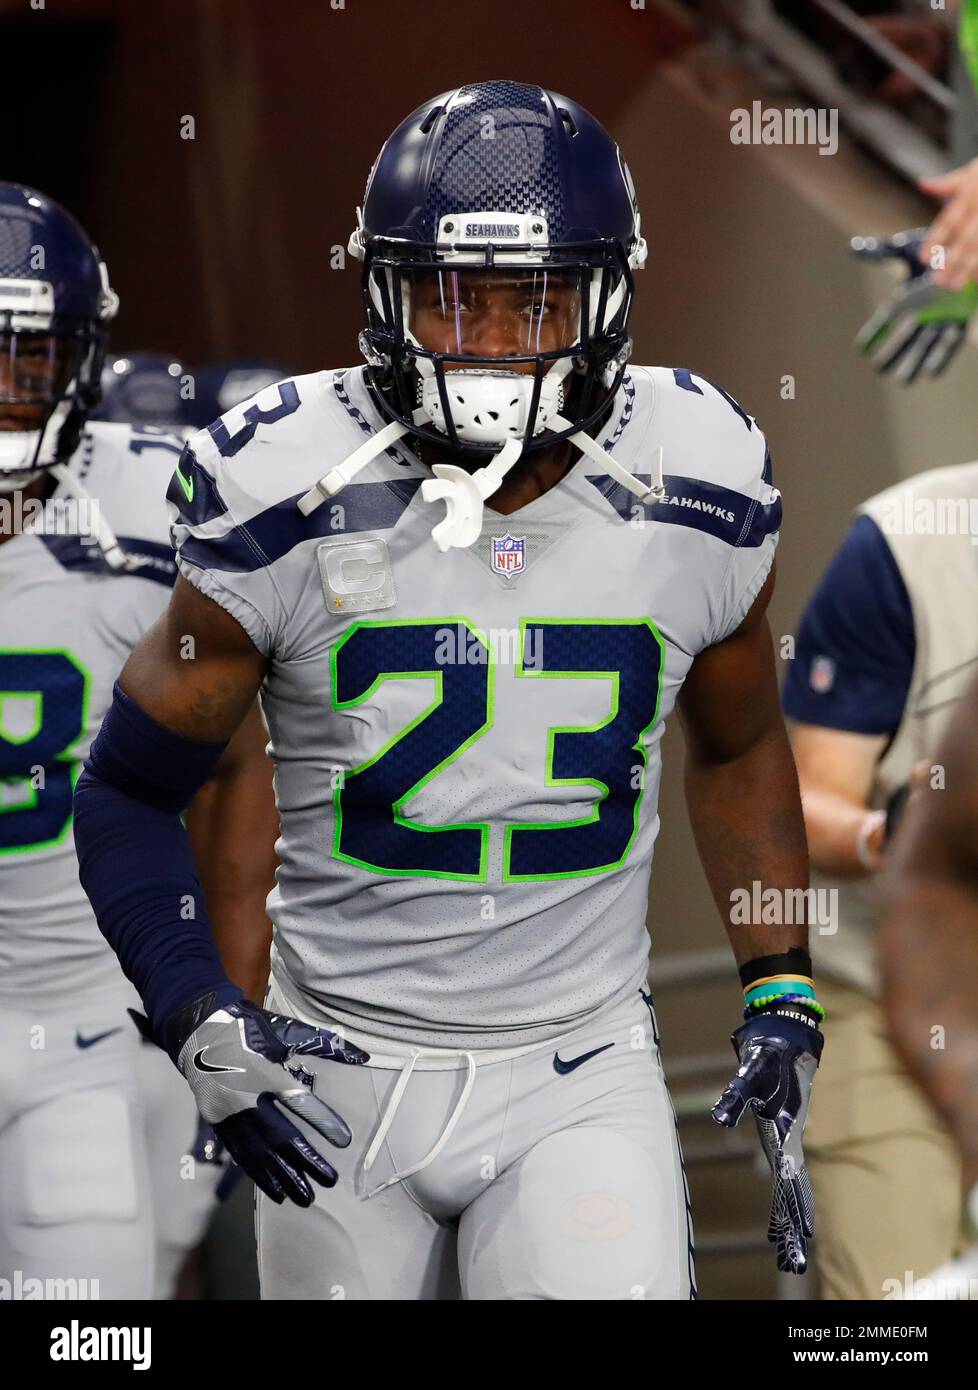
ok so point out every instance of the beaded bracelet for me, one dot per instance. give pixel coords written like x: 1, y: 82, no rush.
x: 757, y: 1005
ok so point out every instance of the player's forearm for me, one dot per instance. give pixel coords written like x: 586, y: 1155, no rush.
x: 233, y: 834
x: 243, y: 935
x: 746, y: 818
x: 233, y: 826
x: 135, y: 861
x: 929, y: 960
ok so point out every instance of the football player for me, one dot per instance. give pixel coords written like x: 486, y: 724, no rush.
x: 470, y: 580
x: 86, y: 567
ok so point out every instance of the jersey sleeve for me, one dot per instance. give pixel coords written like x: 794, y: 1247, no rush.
x: 216, y: 524
x: 757, y: 509
x: 855, y: 650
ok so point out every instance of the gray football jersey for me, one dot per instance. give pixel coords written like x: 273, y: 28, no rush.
x: 67, y: 625
x: 466, y: 744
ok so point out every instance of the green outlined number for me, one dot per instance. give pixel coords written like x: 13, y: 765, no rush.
x: 43, y: 705
x: 371, y: 829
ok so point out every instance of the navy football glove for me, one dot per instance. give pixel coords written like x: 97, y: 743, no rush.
x: 244, y: 1066
x: 779, y: 1051
x: 921, y: 325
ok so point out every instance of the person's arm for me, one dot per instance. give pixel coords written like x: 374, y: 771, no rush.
x: 741, y: 785
x: 183, y: 693
x: 835, y: 773
x: 196, y: 671
x: 233, y: 825
x: 928, y: 935
x: 954, y: 231
x: 742, y: 794
x: 845, y: 693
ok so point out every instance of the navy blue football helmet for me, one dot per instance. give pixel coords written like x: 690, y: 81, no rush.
x: 498, y: 235
x: 55, y: 302
x: 498, y: 179
x: 145, y: 388
x: 226, y: 384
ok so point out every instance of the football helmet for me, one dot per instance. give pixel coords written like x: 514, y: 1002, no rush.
x: 496, y: 193
x: 226, y: 384
x: 144, y: 388
x: 55, y: 302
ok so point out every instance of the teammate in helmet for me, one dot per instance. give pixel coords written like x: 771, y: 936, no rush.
x: 147, y: 388
x: 84, y: 1197
x: 467, y: 746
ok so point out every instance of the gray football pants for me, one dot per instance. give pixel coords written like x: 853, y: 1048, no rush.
x: 549, y: 1185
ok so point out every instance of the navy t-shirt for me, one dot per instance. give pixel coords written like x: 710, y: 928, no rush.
x: 855, y: 649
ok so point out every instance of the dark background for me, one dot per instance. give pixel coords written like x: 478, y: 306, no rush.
x: 221, y: 245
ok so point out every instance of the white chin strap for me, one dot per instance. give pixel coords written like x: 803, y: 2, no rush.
x: 464, y: 493
x: 108, y: 543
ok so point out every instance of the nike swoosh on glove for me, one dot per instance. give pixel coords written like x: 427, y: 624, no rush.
x: 921, y: 325
x: 779, y: 1051
x: 245, y: 1068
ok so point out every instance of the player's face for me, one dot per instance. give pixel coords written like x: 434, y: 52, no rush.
x: 494, y: 313
x: 35, y: 369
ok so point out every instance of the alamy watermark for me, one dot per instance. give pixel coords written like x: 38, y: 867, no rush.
x: 25, y: 1289
x: 794, y: 126
x: 786, y: 907
x: 55, y: 516
x: 906, y: 515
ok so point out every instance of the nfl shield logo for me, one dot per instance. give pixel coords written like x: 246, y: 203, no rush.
x: 822, y: 677
x: 508, y: 553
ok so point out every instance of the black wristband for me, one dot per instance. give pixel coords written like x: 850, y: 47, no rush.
x: 795, y: 961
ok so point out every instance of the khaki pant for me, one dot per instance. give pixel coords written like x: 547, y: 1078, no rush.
x: 886, y: 1175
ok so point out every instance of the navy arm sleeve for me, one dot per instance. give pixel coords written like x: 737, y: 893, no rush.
x: 136, y: 864
x: 855, y: 649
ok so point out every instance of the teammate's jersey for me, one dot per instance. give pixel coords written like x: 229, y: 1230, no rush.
x: 467, y: 744
x: 67, y: 624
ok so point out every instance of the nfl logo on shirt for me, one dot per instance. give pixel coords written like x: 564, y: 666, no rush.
x: 822, y: 675
x: 508, y: 553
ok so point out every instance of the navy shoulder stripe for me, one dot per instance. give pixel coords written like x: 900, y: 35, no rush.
x: 731, y: 516
x: 279, y: 529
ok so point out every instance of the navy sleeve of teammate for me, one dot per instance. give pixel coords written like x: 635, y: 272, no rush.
x: 855, y: 650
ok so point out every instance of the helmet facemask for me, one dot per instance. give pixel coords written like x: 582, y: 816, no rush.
x: 50, y: 366
x: 486, y: 347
